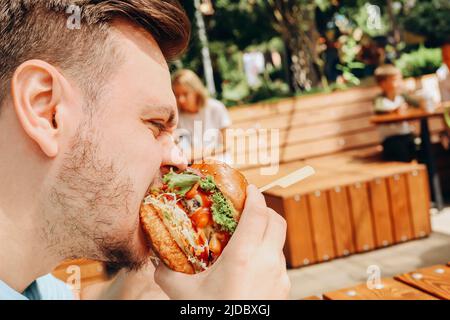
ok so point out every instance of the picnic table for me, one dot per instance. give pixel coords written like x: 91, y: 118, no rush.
x: 423, y: 116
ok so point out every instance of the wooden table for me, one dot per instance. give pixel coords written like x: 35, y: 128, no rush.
x: 432, y: 283
x: 412, y: 114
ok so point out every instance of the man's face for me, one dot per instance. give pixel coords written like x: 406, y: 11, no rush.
x: 116, y: 154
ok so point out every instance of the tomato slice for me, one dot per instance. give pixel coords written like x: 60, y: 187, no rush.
x: 201, y: 218
x: 215, y: 245
x: 169, y: 197
x: 206, y: 202
x: 204, y: 256
x: 192, y: 193
x: 223, y: 237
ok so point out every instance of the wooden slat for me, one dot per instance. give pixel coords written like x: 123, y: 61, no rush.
x: 306, y: 103
x: 398, y: 194
x: 242, y: 158
x: 321, y: 225
x: 361, y: 217
x: 311, y: 118
x: 433, y: 280
x: 419, y: 202
x: 379, y: 201
x: 341, y: 221
x: 390, y: 290
x: 296, y: 135
x: 299, y: 247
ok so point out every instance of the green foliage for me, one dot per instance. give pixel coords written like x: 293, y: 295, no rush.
x: 420, y: 62
x: 348, y: 56
x: 430, y: 18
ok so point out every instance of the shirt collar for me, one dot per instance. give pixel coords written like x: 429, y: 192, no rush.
x: 8, y: 293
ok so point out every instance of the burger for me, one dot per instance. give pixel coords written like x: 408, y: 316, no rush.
x: 190, y: 217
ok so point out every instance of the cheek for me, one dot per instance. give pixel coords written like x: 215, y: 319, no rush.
x: 133, y: 147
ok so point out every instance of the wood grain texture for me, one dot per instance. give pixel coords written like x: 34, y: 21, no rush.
x: 299, y: 240
x: 379, y: 201
x: 341, y: 221
x: 433, y: 280
x: 419, y: 200
x: 400, y: 209
x: 361, y: 217
x: 390, y: 290
x: 321, y: 225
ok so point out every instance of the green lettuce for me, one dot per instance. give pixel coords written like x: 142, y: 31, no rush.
x: 222, y: 212
x: 207, y: 183
x: 180, y: 183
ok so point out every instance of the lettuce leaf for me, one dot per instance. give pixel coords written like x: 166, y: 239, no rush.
x: 207, y: 183
x: 180, y: 183
x: 222, y: 212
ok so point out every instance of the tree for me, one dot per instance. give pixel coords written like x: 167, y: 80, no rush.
x: 295, y: 21
x: 430, y: 19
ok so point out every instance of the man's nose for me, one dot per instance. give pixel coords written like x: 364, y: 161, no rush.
x: 172, y: 155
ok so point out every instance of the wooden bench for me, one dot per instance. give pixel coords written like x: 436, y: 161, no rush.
x: 431, y: 283
x: 355, y: 202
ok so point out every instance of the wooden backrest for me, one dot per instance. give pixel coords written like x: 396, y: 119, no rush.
x: 310, y: 126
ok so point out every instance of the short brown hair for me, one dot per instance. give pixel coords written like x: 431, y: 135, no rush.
x: 37, y: 29
x: 385, y: 71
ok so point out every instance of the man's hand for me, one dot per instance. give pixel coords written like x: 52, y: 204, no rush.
x: 252, y: 266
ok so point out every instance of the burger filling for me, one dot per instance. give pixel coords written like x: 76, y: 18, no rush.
x: 198, y: 216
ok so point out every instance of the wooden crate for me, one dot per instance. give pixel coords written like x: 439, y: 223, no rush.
x: 354, y: 212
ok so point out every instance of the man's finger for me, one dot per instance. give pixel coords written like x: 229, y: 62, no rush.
x: 254, y: 219
x: 275, y: 233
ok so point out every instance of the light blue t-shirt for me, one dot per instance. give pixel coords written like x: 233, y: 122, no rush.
x: 44, y: 288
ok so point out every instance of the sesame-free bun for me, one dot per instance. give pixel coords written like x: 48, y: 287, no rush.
x: 230, y: 182
x: 162, y: 242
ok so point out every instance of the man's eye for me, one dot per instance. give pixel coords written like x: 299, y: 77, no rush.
x: 157, y: 127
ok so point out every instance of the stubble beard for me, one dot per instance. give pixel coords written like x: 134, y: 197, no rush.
x: 89, y: 190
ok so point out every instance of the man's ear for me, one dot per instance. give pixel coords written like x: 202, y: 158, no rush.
x: 36, y: 92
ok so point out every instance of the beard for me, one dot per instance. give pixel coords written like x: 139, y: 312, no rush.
x: 92, y: 195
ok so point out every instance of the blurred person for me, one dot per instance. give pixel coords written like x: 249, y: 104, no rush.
x: 443, y: 73
x: 86, y: 123
x: 398, y: 138
x: 202, y: 120
x: 443, y: 76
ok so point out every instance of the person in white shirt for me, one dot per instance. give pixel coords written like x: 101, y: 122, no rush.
x: 398, y: 138
x: 202, y: 120
x: 443, y: 73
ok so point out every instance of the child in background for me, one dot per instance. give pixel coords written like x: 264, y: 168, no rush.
x: 202, y: 120
x: 398, y: 138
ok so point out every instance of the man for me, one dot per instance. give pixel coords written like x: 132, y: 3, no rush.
x: 443, y: 73
x: 86, y: 117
